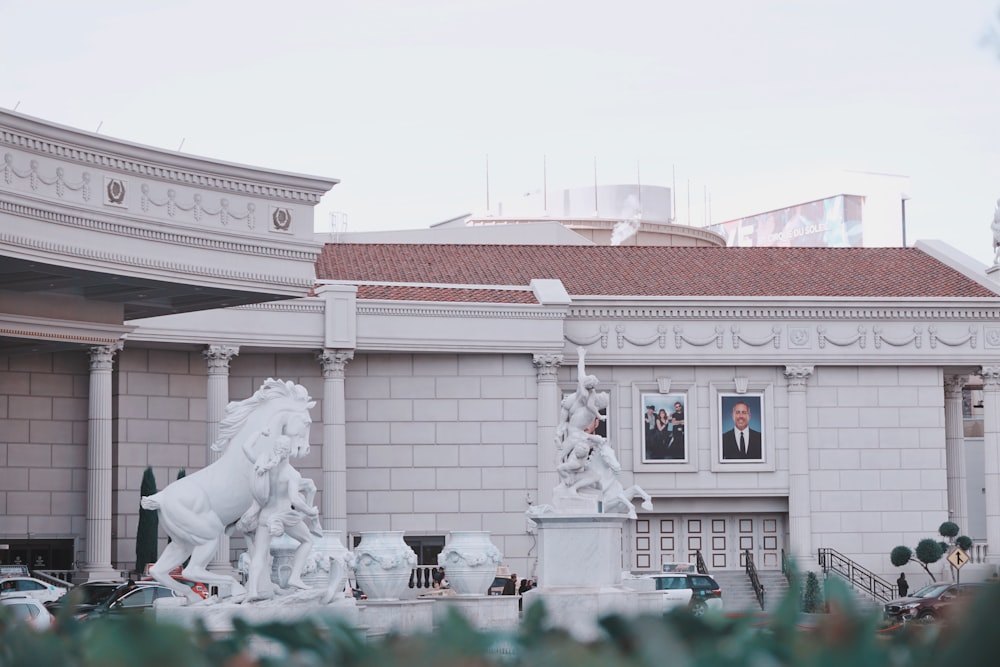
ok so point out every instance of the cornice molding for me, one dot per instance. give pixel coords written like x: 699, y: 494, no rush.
x: 145, y: 264
x: 258, y: 249
x: 138, y: 166
x: 458, y: 310
x: 958, y: 311
x: 305, y: 305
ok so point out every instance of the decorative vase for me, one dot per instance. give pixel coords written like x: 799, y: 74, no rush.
x: 383, y: 564
x: 470, y: 561
x: 330, y: 564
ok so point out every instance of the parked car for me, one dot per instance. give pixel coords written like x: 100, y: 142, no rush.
x: 697, y: 592
x: 198, y: 587
x: 28, y: 610
x: 930, y: 603
x: 130, y: 599
x: 36, y: 588
x: 84, y: 597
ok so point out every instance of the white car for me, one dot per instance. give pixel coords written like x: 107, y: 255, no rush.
x: 36, y: 588
x: 663, y: 592
x: 28, y: 610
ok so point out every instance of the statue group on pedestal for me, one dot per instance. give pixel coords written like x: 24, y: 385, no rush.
x: 585, y: 462
x: 252, y: 487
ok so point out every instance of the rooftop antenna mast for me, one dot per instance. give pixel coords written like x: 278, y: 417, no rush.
x: 638, y: 186
x: 597, y: 213
x: 488, y: 211
x: 545, y: 187
x: 673, y: 193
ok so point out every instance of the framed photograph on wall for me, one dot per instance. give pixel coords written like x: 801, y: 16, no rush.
x: 663, y: 423
x: 741, y: 428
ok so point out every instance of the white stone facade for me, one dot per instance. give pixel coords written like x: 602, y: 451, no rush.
x: 438, y: 414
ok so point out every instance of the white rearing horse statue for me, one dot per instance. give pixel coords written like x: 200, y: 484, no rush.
x: 602, y: 473
x: 197, y: 510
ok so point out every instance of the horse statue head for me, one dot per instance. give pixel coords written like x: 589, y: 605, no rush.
x: 277, y: 408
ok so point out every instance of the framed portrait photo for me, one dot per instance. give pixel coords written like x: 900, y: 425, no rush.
x: 663, y: 424
x: 741, y: 428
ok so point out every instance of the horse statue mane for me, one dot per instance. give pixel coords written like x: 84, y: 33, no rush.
x: 239, y: 412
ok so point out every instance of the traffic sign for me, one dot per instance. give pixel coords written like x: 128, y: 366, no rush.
x: 958, y: 557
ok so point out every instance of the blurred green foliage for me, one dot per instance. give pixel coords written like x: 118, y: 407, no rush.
x: 845, y: 636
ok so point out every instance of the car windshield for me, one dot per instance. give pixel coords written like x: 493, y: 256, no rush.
x: 931, y: 591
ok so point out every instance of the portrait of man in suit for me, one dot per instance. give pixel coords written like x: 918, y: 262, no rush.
x: 741, y: 435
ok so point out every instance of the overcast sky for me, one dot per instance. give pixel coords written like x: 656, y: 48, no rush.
x: 402, y: 100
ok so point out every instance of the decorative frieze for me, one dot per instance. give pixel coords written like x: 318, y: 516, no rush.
x: 36, y: 180
x: 159, y: 172
x: 196, y: 208
x: 120, y: 229
x: 777, y: 337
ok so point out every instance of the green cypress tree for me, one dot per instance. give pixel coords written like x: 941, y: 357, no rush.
x: 147, y: 532
x: 812, y: 596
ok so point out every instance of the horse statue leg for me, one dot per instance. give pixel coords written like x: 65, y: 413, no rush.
x: 637, y: 491
x: 197, y: 568
x: 173, y: 555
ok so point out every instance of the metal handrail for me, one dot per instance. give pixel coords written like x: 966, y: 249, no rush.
x: 858, y: 576
x: 751, y: 570
x: 702, y: 568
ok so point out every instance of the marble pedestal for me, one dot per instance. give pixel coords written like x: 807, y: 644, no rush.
x: 218, y: 614
x: 484, y: 612
x: 580, y: 571
x: 379, y: 617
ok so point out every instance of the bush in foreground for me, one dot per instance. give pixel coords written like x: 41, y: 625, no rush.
x: 845, y: 636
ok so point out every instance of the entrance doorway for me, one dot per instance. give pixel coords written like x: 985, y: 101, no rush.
x: 38, y: 554
x: 722, y: 539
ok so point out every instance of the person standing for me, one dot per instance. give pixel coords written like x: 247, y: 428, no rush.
x: 903, y: 585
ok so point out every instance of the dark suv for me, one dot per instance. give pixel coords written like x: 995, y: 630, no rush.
x: 930, y: 603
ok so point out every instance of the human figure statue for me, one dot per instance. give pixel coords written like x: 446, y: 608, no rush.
x: 282, y: 506
x: 579, y: 417
x: 995, y: 227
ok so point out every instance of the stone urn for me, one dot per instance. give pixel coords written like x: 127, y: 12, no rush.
x: 383, y: 564
x: 329, y: 565
x: 470, y: 561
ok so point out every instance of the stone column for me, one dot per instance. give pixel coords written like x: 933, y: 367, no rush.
x: 799, y: 509
x: 334, y: 510
x: 218, y: 357
x: 547, y: 370
x: 99, y: 429
x: 954, y: 444
x: 991, y: 444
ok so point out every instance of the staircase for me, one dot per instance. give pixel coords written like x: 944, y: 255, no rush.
x: 737, y: 593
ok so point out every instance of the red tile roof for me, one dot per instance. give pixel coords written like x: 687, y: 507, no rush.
x: 652, y: 270
x: 460, y: 294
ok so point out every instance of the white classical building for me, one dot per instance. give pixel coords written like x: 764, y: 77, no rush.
x: 141, y: 290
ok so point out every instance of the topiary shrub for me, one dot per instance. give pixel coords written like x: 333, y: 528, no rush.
x: 812, y: 596
x: 964, y: 541
x: 928, y: 551
x: 948, y: 529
